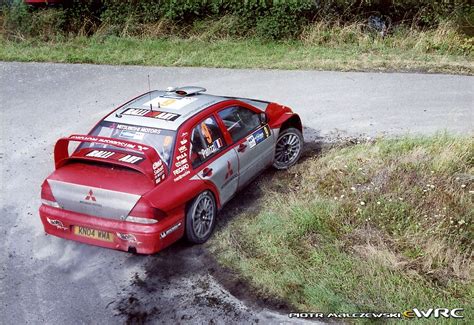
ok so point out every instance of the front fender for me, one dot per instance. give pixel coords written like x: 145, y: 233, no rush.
x: 282, y: 117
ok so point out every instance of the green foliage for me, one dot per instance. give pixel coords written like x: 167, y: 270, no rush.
x: 271, y: 19
x: 284, y: 19
x: 42, y: 23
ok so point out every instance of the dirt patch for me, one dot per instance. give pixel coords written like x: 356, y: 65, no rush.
x: 178, y: 286
x: 134, y: 311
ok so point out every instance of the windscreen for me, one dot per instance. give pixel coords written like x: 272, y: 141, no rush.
x: 161, y: 140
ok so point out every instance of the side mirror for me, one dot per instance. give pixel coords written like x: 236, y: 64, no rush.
x: 263, y: 118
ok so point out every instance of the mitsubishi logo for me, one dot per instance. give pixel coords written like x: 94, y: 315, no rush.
x: 90, y: 196
x: 230, y: 171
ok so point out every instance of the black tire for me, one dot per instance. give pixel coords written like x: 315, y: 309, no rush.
x: 288, y: 148
x: 201, y: 218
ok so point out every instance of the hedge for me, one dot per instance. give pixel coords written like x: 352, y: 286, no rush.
x: 274, y: 19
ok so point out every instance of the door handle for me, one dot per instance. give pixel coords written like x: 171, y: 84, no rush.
x: 242, y: 147
x: 207, y: 172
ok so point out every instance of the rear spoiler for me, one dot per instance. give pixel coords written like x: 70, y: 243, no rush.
x: 153, y: 167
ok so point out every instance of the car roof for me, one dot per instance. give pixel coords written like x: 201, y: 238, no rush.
x: 168, y: 109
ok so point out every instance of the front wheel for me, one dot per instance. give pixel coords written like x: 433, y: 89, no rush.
x: 288, y: 148
x: 201, y: 218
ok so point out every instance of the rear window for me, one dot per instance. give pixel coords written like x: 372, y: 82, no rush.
x: 160, y: 139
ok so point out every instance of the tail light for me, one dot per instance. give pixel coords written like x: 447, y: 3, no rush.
x: 144, y: 213
x: 47, y: 197
x: 134, y: 219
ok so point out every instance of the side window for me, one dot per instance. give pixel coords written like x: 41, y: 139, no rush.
x: 206, y: 141
x: 239, y: 121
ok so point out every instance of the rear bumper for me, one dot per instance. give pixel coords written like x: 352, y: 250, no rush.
x: 146, y: 239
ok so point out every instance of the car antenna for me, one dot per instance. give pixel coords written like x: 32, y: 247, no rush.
x: 149, y: 93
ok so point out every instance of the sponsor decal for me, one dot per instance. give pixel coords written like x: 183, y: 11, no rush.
x: 215, y: 146
x: 159, y: 171
x: 128, y: 237
x: 181, y: 169
x: 266, y: 129
x: 131, y: 159
x: 104, y: 154
x: 182, y: 176
x: 170, y: 230
x: 258, y: 136
x: 141, y: 129
x: 180, y: 163
x: 251, y: 141
x: 181, y: 156
x: 57, y: 223
x: 131, y: 135
x: 166, y: 116
x: 136, y: 111
x: 116, y: 143
x: 170, y: 103
x: 100, y: 154
x: 182, y: 166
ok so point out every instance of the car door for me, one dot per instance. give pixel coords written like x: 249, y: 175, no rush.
x: 207, y: 143
x: 253, y: 141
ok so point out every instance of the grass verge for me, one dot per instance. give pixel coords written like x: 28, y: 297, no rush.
x: 380, y: 226
x: 232, y: 53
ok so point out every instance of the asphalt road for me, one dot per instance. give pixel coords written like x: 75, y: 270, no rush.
x: 50, y: 280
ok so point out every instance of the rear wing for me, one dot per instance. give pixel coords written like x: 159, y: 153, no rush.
x: 152, y: 166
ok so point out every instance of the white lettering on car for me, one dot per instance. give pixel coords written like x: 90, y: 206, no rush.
x: 131, y: 159
x: 136, y: 111
x: 100, y: 154
x: 181, y: 169
x: 180, y: 163
x: 181, y: 156
x: 182, y: 175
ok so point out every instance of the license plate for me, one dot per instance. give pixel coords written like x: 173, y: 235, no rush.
x: 93, y: 233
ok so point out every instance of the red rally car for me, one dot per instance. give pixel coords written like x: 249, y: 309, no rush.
x: 160, y: 167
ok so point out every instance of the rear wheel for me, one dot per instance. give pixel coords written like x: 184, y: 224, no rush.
x: 288, y: 149
x: 201, y: 218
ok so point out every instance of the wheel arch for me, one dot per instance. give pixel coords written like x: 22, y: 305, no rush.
x: 294, y: 121
x: 209, y: 189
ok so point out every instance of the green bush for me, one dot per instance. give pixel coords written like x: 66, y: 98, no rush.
x: 272, y: 19
x: 42, y: 23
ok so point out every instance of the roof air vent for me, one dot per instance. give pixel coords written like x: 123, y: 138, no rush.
x: 189, y: 90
